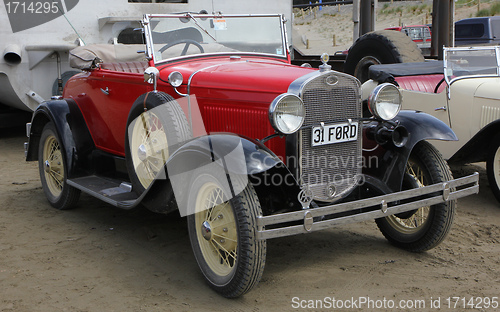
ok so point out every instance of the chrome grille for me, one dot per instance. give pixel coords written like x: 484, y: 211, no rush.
x: 338, y: 165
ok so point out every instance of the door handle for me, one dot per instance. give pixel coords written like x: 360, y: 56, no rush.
x: 442, y: 108
x: 105, y: 91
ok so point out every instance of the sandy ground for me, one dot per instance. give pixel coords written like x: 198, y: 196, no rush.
x: 99, y: 258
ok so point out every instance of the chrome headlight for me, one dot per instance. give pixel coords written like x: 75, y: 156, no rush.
x: 175, y: 79
x: 385, y: 101
x: 287, y: 113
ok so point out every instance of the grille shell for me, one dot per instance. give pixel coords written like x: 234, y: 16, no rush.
x: 338, y: 165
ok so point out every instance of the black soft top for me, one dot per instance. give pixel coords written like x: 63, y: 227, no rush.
x: 387, y: 72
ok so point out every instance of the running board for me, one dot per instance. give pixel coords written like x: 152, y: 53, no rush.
x: 118, y: 194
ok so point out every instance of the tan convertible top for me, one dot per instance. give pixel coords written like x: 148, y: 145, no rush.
x: 87, y: 57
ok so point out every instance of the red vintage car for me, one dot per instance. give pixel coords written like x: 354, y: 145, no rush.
x: 211, y: 119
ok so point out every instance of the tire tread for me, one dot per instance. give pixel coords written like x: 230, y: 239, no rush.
x: 70, y: 195
x: 441, y: 215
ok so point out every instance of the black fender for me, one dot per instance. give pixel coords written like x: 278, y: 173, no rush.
x: 384, y: 166
x: 256, y: 157
x: 477, y: 148
x: 236, y: 155
x: 72, y: 132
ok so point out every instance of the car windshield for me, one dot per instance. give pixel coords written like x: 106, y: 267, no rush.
x: 418, y: 33
x: 471, y: 62
x: 180, y: 35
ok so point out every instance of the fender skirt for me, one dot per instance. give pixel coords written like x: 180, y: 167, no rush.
x: 72, y: 131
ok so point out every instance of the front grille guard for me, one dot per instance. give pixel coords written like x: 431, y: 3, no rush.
x: 383, y: 206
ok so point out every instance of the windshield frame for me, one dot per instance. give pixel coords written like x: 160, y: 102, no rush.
x: 448, y: 67
x: 146, y: 22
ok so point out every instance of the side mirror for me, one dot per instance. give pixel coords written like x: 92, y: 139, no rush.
x: 151, y: 75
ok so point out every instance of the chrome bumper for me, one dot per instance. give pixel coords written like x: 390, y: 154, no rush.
x: 387, y: 205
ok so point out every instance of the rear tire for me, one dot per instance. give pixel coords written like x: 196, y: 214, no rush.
x: 426, y: 227
x: 53, y: 168
x: 153, y: 134
x: 380, y: 47
x: 493, y: 168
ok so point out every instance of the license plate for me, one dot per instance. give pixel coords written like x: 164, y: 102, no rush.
x: 335, y: 133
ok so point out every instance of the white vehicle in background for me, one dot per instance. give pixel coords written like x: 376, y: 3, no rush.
x: 463, y: 92
x: 37, y: 36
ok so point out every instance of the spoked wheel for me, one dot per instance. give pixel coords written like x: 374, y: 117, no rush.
x: 52, y: 167
x: 217, y: 236
x: 423, y: 228
x: 149, y: 141
x: 153, y: 134
x: 223, y: 234
x: 493, y: 168
x: 412, y: 221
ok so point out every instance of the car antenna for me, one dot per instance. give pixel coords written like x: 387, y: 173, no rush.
x: 76, y: 32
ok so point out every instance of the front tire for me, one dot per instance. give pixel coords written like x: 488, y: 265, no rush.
x: 223, y: 234
x: 52, y: 166
x: 426, y: 227
x: 156, y: 126
x: 493, y: 168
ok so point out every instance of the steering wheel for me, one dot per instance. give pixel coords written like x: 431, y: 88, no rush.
x: 187, y: 43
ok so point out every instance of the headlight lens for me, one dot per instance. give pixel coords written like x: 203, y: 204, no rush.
x: 385, y: 101
x: 287, y: 113
x: 175, y: 79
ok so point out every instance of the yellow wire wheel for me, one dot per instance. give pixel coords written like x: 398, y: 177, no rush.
x: 222, y: 231
x: 52, y: 168
x: 416, y: 220
x: 149, y: 145
x: 156, y: 126
x: 423, y: 228
x: 217, y: 234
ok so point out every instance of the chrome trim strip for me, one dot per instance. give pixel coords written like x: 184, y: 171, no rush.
x: 212, y: 15
x: 148, y: 36
x: 284, y: 36
x: 198, y: 55
x: 445, y: 63
x: 205, y: 68
x: 297, y: 86
x: 190, y: 116
x: 149, y: 43
x: 469, y: 185
x: 28, y: 129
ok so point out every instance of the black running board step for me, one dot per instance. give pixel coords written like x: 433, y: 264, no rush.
x: 116, y: 193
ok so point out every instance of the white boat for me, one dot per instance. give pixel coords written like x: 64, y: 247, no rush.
x: 37, y: 36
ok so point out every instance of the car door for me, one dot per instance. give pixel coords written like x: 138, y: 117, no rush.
x: 111, y: 97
